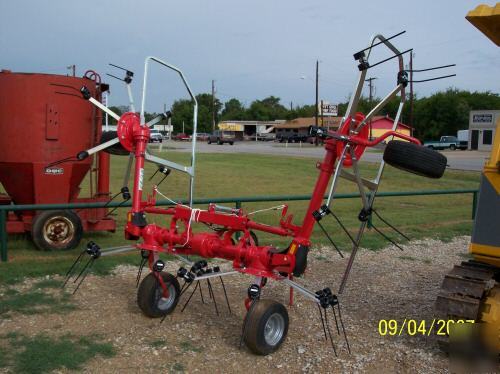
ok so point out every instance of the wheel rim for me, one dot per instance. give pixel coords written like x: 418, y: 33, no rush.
x: 164, y: 303
x: 58, y: 231
x: 274, y: 329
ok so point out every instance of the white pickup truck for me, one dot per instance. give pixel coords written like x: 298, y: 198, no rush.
x: 447, y: 142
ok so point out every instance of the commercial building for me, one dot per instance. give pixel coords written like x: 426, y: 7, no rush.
x: 248, y: 129
x: 379, y: 125
x: 482, y: 125
x: 300, y: 126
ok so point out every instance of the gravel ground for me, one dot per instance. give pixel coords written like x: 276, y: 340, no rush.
x: 387, y: 284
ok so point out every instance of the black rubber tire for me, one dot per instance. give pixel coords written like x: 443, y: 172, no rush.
x: 116, y: 149
x: 415, y: 159
x: 219, y: 142
x: 231, y: 143
x: 46, y: 222
x: 300, y: 260
x: 430, y: 147
x: 209, y: 141
x: 255, y: 325
x: 149, y: 295
x: 453, y: 147
x: 254, y: 237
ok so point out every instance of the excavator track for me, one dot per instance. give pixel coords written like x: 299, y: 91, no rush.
x: 464, y: 291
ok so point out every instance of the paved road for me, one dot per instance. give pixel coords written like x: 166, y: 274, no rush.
x: 459, y: 160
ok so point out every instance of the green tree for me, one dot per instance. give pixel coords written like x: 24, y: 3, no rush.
x: 301, y: 111
x: 182, y: 111
x: 233, y: 110
x: 268, y: 109
x: 444, y: 113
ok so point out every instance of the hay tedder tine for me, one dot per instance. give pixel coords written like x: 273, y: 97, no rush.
x: 225, y: 294
x: 324, y: 299
x: 69, y: 273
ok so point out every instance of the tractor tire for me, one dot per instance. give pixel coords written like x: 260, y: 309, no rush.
x: 149, y: 295
x: 56, y: 230
x: 266, y: 326
x: 415, y: 159
x: 116, y: 149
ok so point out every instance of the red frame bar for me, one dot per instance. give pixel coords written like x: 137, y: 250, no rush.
x: 247, y: 257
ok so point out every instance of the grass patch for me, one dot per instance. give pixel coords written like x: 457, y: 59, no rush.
x: 48, y: 283
x: 3, y: 357
x: 34, y: 301
x: 178, y: 368
x: 229, y: 175
x: 44, y: 354
x: 188, y: 346
x: 160, y: 343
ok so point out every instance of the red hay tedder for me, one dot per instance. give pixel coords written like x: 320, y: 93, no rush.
x: 266, y: 323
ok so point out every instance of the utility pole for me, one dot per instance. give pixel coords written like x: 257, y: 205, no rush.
x: 213, y: 105
x: 371, y: 87
x: 317, y: 92
x: 321, y: 112
x: 411, y: 94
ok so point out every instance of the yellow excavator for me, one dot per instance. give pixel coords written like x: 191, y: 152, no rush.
x: 471, y: 290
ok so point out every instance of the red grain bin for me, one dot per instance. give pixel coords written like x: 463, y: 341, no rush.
x: 43, y: 119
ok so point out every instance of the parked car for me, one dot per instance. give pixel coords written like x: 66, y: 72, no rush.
x: 292, y: 138
x: 221, y: 137
x: 181, y: 137
x: 155, y: 136
x: 203, y: 136
x: 266, y: 137
x: 446, y: 142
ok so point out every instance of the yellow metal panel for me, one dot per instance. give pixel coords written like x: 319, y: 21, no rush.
x: 379, y: 132
x: 493, y: 163
x: 485, y: 250
x: 230, y: 126
x: 487, y: 20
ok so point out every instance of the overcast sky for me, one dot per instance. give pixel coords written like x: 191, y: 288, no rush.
x: 251, y: 48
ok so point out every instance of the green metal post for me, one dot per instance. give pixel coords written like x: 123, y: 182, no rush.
x: 238, y: 206
x: 474, y: 204
x: 3, y: 235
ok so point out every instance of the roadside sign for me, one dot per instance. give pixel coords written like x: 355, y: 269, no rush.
x: 327, y: 109
x: 229, y: 126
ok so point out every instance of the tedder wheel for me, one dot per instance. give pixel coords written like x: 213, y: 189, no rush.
x: 415, y: 159
x: 150, y: 298
x: 56, y: 229
x: 266, y: 326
